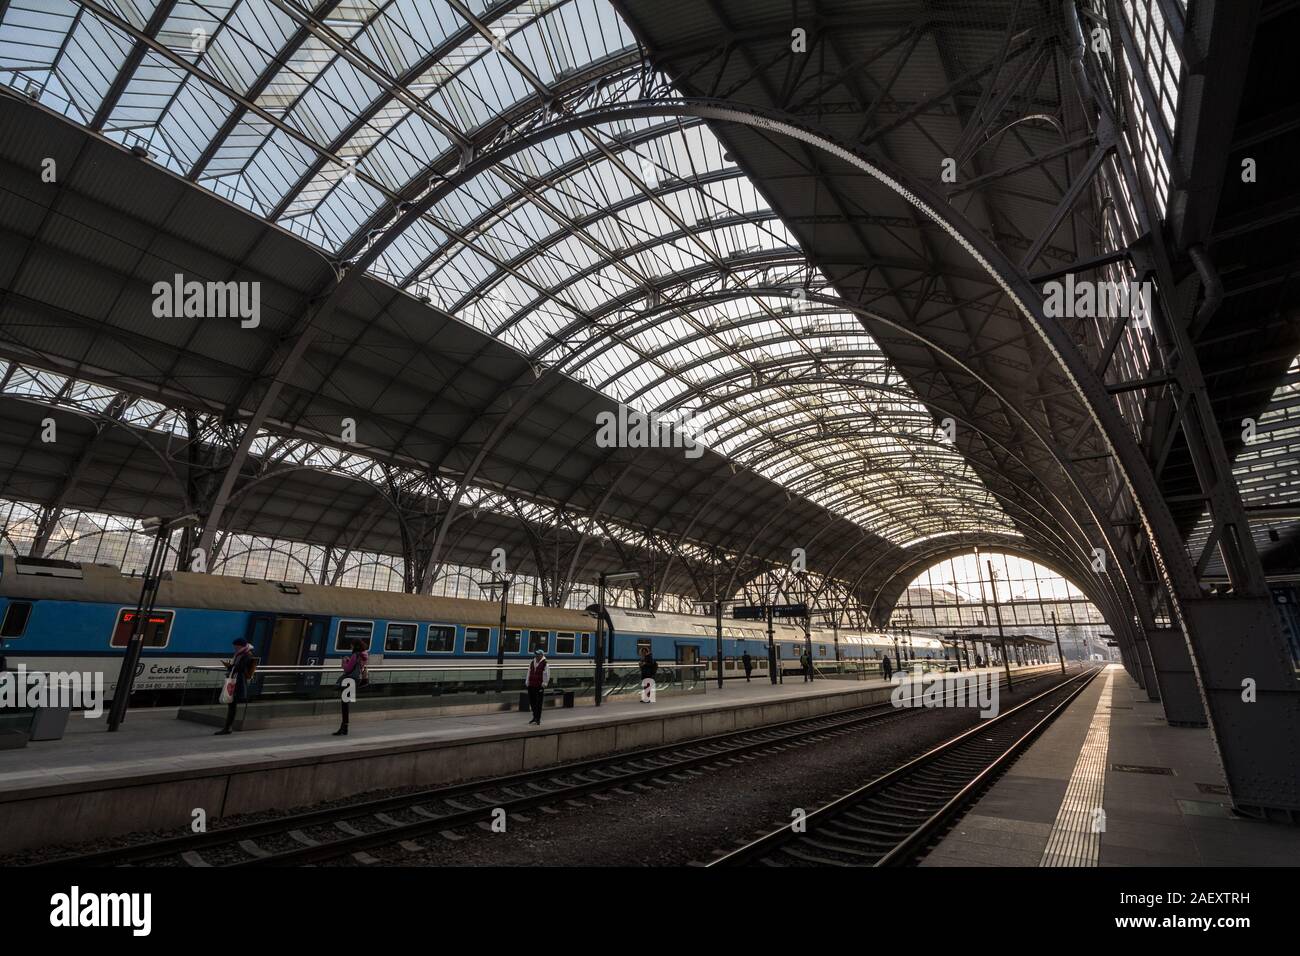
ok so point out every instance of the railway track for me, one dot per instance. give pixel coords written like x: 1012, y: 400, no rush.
x: 894, y: 818
x: 348, y: 832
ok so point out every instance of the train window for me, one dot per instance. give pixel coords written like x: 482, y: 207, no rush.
x: 16, y: 615
x: 441, y: 639
x: 563, y: 642
x: 539, y: 640
x: 584, y: 644
x: 476, y: 640
x: 512, y: 640
x: 350, y: 631
x: 156, y: 631
x: 401, y: 637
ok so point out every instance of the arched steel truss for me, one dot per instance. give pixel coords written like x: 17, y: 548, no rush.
x: 618, y: 91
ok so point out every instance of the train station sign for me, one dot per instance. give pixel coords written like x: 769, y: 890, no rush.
x: 790, y: 610
x: 758, y: 612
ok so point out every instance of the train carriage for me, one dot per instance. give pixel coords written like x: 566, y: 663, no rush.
x: 70, y: 616
x: 59, y: 615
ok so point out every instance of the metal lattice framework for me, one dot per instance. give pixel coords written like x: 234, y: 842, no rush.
x: 822, y: 234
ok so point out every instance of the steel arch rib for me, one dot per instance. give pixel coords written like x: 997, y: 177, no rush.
x: 1134, y: 471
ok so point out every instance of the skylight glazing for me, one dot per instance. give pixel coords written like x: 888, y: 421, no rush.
x: 634, y: 255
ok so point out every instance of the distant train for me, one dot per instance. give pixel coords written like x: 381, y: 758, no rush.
x: 69, y: 616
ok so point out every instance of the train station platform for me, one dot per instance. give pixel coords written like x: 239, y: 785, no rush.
x: 1110, y: 783
x: 156, y: 770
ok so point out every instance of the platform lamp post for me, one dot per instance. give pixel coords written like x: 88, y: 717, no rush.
x: 773, y: 662
x: 717, y: 626
x: 717, y: 621
x: 807, y: 639
x: 605, y: 579
x: 997, y: 610
x: 504, y: 582
x: 143, y: 611
x: 907, y: 635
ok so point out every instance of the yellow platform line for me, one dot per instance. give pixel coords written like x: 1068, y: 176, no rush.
x: 1075, y: 839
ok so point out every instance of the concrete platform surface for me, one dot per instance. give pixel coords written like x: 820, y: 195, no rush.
x: 153, y: 740
x: 1110, y: 783
x: 156, y: 770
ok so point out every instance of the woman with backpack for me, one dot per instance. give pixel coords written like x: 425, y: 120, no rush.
x: 239, y: 671
x: 354, y: 670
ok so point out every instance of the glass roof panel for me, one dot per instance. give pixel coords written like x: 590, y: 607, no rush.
x: 1267, y: 471
x: 635, y: 255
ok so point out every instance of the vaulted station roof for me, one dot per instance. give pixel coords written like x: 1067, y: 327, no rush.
x: 632, y: 255
x: 539, y: 240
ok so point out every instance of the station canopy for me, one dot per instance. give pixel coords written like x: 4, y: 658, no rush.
x: 633, y: 259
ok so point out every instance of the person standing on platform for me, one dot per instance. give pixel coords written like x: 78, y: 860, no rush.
x: 805, y: 664
x: 239, y: 671
x: 887, y: 668
x: 539, y: 675
x: 748, y: 662
x: 354, y: 670
x: 649, y: 667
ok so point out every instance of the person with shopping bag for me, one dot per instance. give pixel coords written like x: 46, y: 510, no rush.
x: 239, y: 671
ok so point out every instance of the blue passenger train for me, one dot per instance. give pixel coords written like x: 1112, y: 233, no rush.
x: 69, y: 616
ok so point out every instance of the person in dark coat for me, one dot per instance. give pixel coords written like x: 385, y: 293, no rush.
x: 649, y: 667
x: 539, y: 675
x: 887, y: 667
x: 748, y: 662
x: 354, y: 670
x: 805, y: 663
x: 240, y: 667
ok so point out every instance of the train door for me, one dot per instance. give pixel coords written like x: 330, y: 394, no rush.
x: 688, y: 654
x: 286, y: 642
x: 309, y: 649
x: 260, y: 636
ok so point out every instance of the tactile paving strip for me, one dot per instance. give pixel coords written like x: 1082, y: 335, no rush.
x: 1075, y: 839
